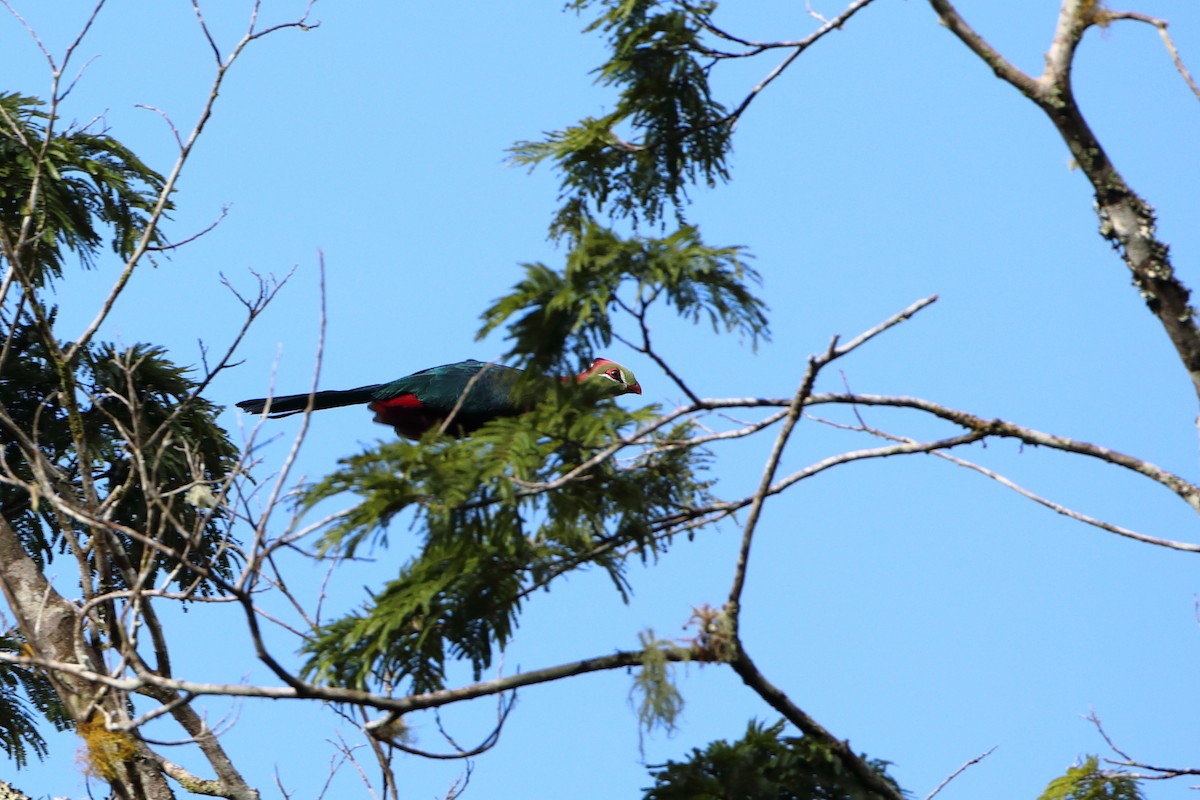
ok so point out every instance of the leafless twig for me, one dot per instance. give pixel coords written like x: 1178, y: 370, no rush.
x: 1161, y: 25
x: 969, y: 763
x: 1150, y: 772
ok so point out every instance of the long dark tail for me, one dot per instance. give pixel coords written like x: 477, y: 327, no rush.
x: 295, y: 403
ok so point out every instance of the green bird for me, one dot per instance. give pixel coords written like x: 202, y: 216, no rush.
x: 469, y: 393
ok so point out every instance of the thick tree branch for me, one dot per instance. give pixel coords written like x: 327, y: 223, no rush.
x: 89, y: 651
x: 399, y: 705
x: 1126, y: 220
x: 778, y: 700
x: 1004, y: 69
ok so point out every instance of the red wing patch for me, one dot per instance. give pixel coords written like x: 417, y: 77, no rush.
x: 403, y: 401
x: 405, y: 414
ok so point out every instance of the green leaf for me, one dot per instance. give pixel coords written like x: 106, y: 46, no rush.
x: 665, y: 132
x: 22, y: 692
x: 87, y: 185
x: 762, y: 765
x: 149, y: 437
x: 1087, y: 781
x: 555, y: 317
x: 145, y: 404
x: 509, y: 510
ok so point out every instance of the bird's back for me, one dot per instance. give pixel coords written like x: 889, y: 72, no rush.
x: 475, y: 392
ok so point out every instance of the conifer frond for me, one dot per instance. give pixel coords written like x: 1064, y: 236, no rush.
x: 559, y: 316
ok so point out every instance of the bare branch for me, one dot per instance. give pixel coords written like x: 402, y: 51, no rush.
x: 799, y: 47
x: 618, y: 660
x: 1152, y: 772
x: 197, y: 785
x: 1004, y: 70
x: 400, y: 705
x: 148, y: 234
x: 647, y: 349
x: 1003, y: 481
x: 281, y: 480
x: 888, y: 323
x: 1074, y: 17
x: 733, y: 605
x: 803, y: 393
x: 969, y: 763
x: 808, y: 7
x: 1126, y: 220
x: 1161, y: 25
x: 1186, y: 490
x: 775, y: 697
x: 489, y: 741
x: 167, y: 119
x: 1186, y: 547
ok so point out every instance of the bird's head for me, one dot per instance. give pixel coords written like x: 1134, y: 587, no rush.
x: 609, y: 378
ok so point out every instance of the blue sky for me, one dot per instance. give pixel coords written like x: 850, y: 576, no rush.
x: 919, y: 610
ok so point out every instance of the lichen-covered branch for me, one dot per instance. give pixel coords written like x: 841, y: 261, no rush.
x: 1127, y: 221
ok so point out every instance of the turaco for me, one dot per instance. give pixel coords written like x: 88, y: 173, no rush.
x: 414, y: 404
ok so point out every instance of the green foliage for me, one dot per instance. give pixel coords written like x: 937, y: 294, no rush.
x: 657, y: 62
x: 519, y: 503
x: 22, y: 692
x: 682, y: 134
x: 525, y: 500
x: 116, y: 434
x: 144, y: 403
x: 522, y: 501
x: 762, y: 765
x: 141, y: 436
x: 1087, y: 781
x: 148, y: 437
x: 554, y: 317
x: 85, y: 182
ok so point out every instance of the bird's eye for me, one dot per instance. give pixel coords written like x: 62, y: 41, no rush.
x: 615, y: 374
